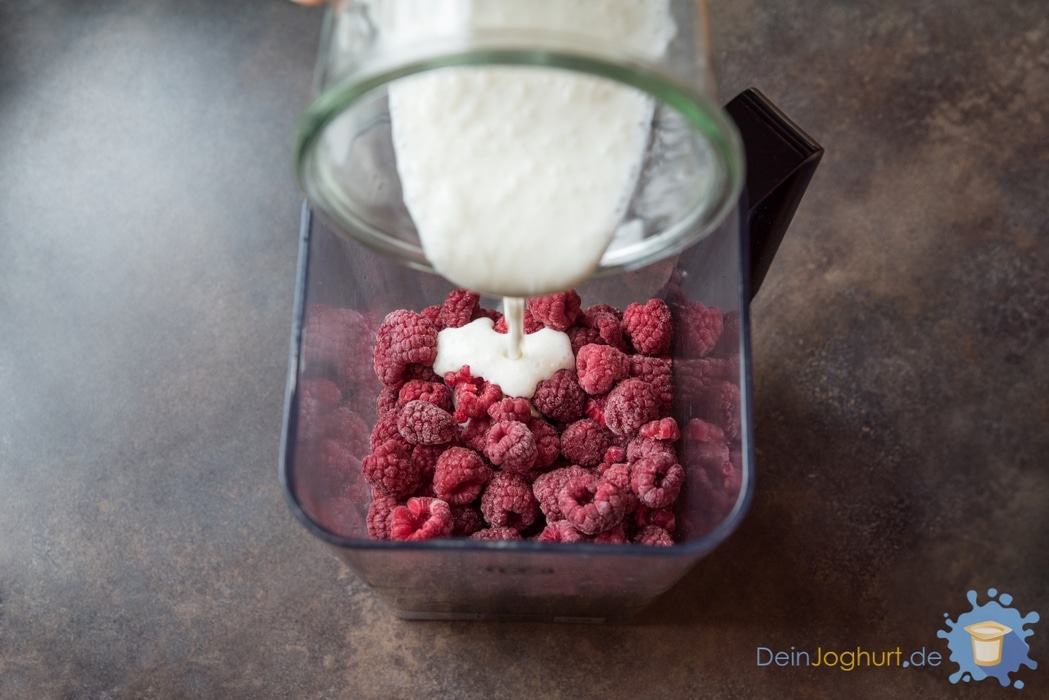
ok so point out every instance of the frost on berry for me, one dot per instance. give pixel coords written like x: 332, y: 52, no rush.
x: 560, y: 531
x: 385, y: 429
x: 654, y: 536
x: 591, y: 504
x: 662, y: 429
x: 698, y: 329
x: 507, y: 501
x: 472, y: 395
x: 403, y: 338
x: 656, y: 481
x: 547, y: 488
x: 649, y: 328
x: 585, y: 441
x: 547, y: 442
x: 599, y: 367
x: 606, y: 321
x: 640, y: 447
x: 390, y: 470
x: 459, y: 308
x: 378, y: 518
x: 579, y: 336
x: 511, y: 445
x: 425, y: 457
x: 505, y: 534
x: 631, y: 404
x: 421, y: 519
x: 460, y: 475
x: 475, y: 433
x: 436, y: 393
x: 423, y: 423
x: 560, y: 397
x: 658, y: 372
x: 557, y: 311
x: 510, y: 408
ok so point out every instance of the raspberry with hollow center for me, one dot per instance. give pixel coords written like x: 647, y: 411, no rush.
x: 557, y: 311
x: 656, y: 481
x: 460, y: 475
x: 421, y: 519
x: 507, y: 501
x: 423, y: 423
x: 649, y: 328
x: 591, y: 504
x: 585, y: 441
x: 631, y: 404
x: 403, y: 338
x: 547, y: 488
x: 390, y: 470
x: 560, y: 397
x: 511, y: 445
x: 599, y: 367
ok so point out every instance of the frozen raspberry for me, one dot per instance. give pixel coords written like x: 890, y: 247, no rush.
x: 460, y: 475
x: 728, y: 342
x: 631, y: 404
x: 658, y: 372
x: 698, y: 329
x: 653, y: 535
x: 697, y: 375
x: 606, y: 321
x: 436, y: 393
x: 346, y: 426
x: 510, y: 408
x: 649, y: 327
x: 385, y: 429
x: 433, y: 315
x: 387, y: 401
x: 404, y: 338
x: 615, y: 535
x: 507, y: 501
x: 390, y: 470
x: 619, y: 476
x: 420, y: 372
x: 640, y: 447
x: 468, y: 520
x: 421, y: 519
x: 379, y: 517
x: 511, y: 445
x: 547, y: 488
x: 584, y: 442
x: 503, y: 534
x: 579, y: 336
x: 531, y: 325
x: 560, y: 531
x: 333, y: 343
x: 473, y: 396
x: 560, y: 397
x: 661, y: 517
x: 662, y: 429
x: 591, y: 504
x: 557, y: 311
x: 599, y: 367
x: 425, y: 457
x: 422, y: 423
x: 595, y: 409
x: 459, y: 308
x: 614, y: 455
x: 720, y: 405
x: 547, y: 442
x: 475, y: 433
x: 656, y: 481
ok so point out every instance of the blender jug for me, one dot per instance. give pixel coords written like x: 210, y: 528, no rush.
x: 688, y: 243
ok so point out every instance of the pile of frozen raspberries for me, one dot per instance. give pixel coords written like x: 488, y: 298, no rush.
x: 593, y: 456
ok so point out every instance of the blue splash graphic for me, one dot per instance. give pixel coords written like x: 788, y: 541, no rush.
x: 1014, y: 652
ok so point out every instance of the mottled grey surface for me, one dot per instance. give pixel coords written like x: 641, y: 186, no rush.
x: 148, y: 232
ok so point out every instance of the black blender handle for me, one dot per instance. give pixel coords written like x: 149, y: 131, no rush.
x: 781, y: 159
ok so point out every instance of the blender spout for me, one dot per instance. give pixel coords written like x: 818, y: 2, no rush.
x: 781, y: 160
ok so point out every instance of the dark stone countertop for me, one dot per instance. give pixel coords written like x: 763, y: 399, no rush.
x: 148, y: 236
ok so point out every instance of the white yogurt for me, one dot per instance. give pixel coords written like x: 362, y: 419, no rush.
x: 517, y: 177
x: 486, y: 352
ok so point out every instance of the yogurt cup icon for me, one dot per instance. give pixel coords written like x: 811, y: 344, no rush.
x: 987, y: 642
